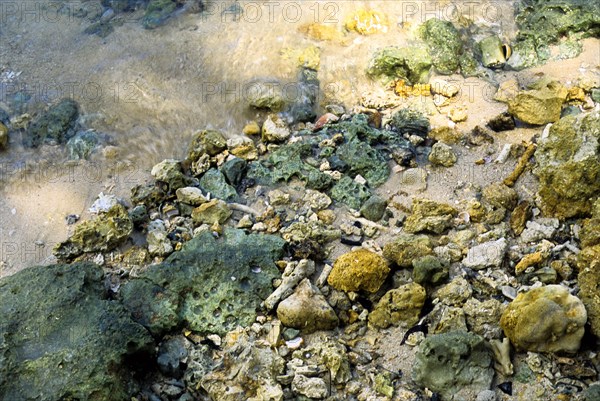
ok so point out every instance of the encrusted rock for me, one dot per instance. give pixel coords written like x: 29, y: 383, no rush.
x: 400, y: 306
x: 456, y: 292
x: 540, y: 105
x: 428, y: 215
x: 275, y: 129
x: 407, y: 247
x: 214, y: 211
x: 374, y: 208
x: 158, y: 243
x: 545, y: 319
x: 169, y: 171
x: 453, y: 364
x: 442, y: 155
x: 359, y: 270
x: 483, y: 317
x: 428, y: 270
x: 500, y: 196
x: 411, y: 63
x: 191, y: 195
x: 488, y: 254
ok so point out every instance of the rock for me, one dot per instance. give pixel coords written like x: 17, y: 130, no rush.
x: 502, y: 122
x: 313, y: 387
x: 252, y: 128
x: 350, y: 192
x: 486, y: 395
x: 411, y: 63
x: 488, y: 254
x: 430, y: 216
x: 56, y: 125
x: 256, y: 365
x: 545, y: 319
x: 169, y: 171
x: 243, y: 147
x: 274, y: 129
x: 589, y: 284
x: 327, y: 353
x: 62, y: 338
x: 446, y: 319
x: 444, y: 44
x: 428, y: 270
x: 592, y: 393
x: 399, y: 307
x: 374, y: 208
x: 292, y: 275
x: 82, y: 144
x: 191, y: 195
x: 410, y: 122
x: 359, y: 270
x: 158, y: 243
x: 266, y: 95
x: 211, y: 212
x: 454, y: 364
x: 307, y: 87
x: 307, y: 309
x: 446, y: 135
x: 3, y: 136
x: 483, y: 317
x: 568, y: 166
x: 442, y: 155
x: 367, y: 22
x: 234, y: 170
x: 172, y: 355
x: 407, y: 247
x: 214, y: 183
x: 157, y: 12
x: 4, y: 117
x: 538, y: 230
x: 456, y: 292
x: 207, y: 142
x: 492, y: 52
x: 316, y: 200
x: 105, y: 233
x: 539, y: 106
x: 520, y: 215
x: 500, y: 196
x: 364, y: 160
x: 212, y: 284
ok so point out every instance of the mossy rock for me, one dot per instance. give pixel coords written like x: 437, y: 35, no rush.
x: 407, y: 247
x: 61, y: 338
x: 56, y: 125
x: 350, y: 193
x: 445, y: 45
x: 399, y: 307
x: 157, y: 13
x: 358, y: 270
x: 210, y: 286
x: 412, y: 63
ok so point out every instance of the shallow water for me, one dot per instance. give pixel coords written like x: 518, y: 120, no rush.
x: 150, y: 90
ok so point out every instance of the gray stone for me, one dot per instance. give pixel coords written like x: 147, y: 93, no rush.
x: 488, y: 254
x: 311, y: 387
x: 374, y: 208
x: 172, y: 354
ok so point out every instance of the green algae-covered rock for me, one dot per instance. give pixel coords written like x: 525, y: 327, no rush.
x: 210, y: 286
x: 61, y: 338
x: 209, y: 142
x: 492, y: 53
x: 545, y: 319
x: 350, y: 192
x: 411, y: 122
x: 363, y: 159
x: 56, y: 125
x: 454, y: 362
x: 399, y: 307
x: 106, y: 232
x: 82, y: 144
x: 429, y: 270
x: 169, y: 171
x: 568, y: 166
x: 411, y: 63
x: 445, y: 45
x: 213, y: 182
x: 157, y: 12
x: 374, y: 208
x: 407, y: 247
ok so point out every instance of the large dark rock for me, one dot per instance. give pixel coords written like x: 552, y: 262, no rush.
x: 62, y: 339
x: 211, y: 285
x: 56, y: 125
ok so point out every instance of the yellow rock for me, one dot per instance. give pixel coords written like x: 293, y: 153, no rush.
x: 367, y: 22
x: 251, y: 128
x: 532, y: 259
x: 309, y: 57
x: 318, y: 31
x: 358, y: 270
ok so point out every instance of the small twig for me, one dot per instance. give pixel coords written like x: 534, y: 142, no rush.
x: 520, y: 167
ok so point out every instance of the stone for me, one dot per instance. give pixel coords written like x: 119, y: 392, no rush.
x: 456, y: 292
x: 407, y: 247
x: 266, y: 95
x: 170, y: 172
x: 252, y: 128
x: 213, y: 285
x: 172, y: 355
x: 399, y: 307
x: 311, y: 387
x: 483, y: 317
x: 243, y: 147
x: 105, y: 233
x: 410, y: 122
x: 56, y: 125
x: 274, y: 129
x: 374, y: 208
x: 234, y: 170
x: 294, y: 273
x: 63, y: 338
x: 191, y: 195
x: 3, y: 136
x: 211, y: 212
x: 445, y: 319
x: 214, y: 183
x: 158, y: 243
x: 446, y: 135
x: 428, y: 270
x: 529, y: 260
x: 307, y: 310
x: 367, y: 22
x: 520, y: 215
x: 492, y: 52
x: 82, y: 144
x: 502, y: 122
x: 359, y: 270
x: 545, y: 319
x: 327, y: 353
x: 539, y: 106
x: 208, y: 142
x: 588, y: 280
x: 429, y: 216
x: 412, y: 63
x: 568, y: 166
x: 445, y: 45
x: 316, y: 200
x: 538, y: 230
x: 442, y: 155
x: 453, y: 364
x: 488, y: 254
x: 350, y: 192
x: 500, y: 196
